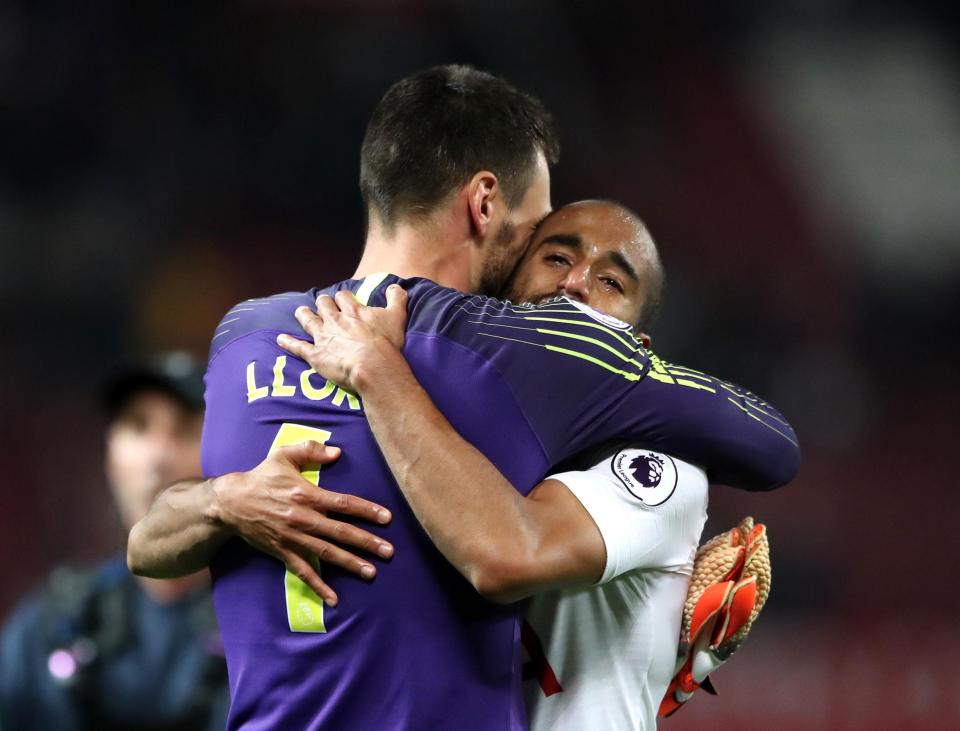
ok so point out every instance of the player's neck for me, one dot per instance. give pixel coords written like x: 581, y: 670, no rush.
x: 410, y: 251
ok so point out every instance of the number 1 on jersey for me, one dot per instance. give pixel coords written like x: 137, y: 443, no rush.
x: 304, y: 607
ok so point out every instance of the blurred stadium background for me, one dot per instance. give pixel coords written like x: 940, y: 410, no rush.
x: 799, y: 164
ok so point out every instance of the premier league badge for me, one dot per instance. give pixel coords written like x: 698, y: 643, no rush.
x: 650, y: 477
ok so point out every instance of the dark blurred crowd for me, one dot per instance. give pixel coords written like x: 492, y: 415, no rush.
x: 795, y: 164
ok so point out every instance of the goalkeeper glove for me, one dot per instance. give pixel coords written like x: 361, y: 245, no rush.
x: 729, y: 586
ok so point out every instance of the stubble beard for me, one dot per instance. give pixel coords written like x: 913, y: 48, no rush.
x: 500, y: 265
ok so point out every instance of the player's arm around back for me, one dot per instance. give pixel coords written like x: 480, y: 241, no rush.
x: 179, y: 534
x: 272, y: 507
x: 508, y: 546
x: 745, y: 441
x: 581, y: 378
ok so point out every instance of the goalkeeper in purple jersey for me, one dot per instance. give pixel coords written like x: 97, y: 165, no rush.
x: 418, y: 647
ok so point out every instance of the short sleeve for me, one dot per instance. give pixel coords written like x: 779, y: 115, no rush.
x: 650, y: 509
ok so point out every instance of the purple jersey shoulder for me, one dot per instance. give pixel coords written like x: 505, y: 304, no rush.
x: 582, y: 378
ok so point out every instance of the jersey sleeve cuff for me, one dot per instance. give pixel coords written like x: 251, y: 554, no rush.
x: 605, y: 509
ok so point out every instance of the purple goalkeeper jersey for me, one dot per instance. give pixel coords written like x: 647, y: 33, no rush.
x: 530, y: 387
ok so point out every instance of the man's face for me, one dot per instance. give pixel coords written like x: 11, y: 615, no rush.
x: 153, y: 441
x: 593, y: 253
x: 511, y: 233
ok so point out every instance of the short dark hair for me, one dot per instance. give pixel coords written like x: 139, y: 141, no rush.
x: 432, y: 131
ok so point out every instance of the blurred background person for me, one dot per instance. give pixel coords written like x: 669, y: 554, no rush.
x: 99, y: 649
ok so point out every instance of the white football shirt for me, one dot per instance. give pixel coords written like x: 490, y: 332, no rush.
x: 601, y: 657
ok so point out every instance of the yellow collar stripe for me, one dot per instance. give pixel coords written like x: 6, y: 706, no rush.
x: 369, y: 286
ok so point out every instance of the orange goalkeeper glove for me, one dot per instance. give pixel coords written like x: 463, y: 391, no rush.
x: 729, y: 586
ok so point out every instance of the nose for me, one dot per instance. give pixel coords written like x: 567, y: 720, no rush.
x: 575, y: 285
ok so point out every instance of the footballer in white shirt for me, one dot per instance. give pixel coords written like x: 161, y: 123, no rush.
x: 603, y: 656
x: 606, y: 552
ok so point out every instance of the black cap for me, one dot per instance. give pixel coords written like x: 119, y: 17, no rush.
x: 176, y: 373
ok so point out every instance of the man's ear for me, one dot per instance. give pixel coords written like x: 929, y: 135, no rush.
x: 645, y: 339
x: 483, y: 195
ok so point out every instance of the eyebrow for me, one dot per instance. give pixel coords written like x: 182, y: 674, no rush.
x: 621, y: 261
x: 571, y: 240
x: 574, y: 241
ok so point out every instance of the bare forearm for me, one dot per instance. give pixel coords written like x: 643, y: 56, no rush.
x: 179, y: 535
x: 471, y: 512
x: 506, y: 545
